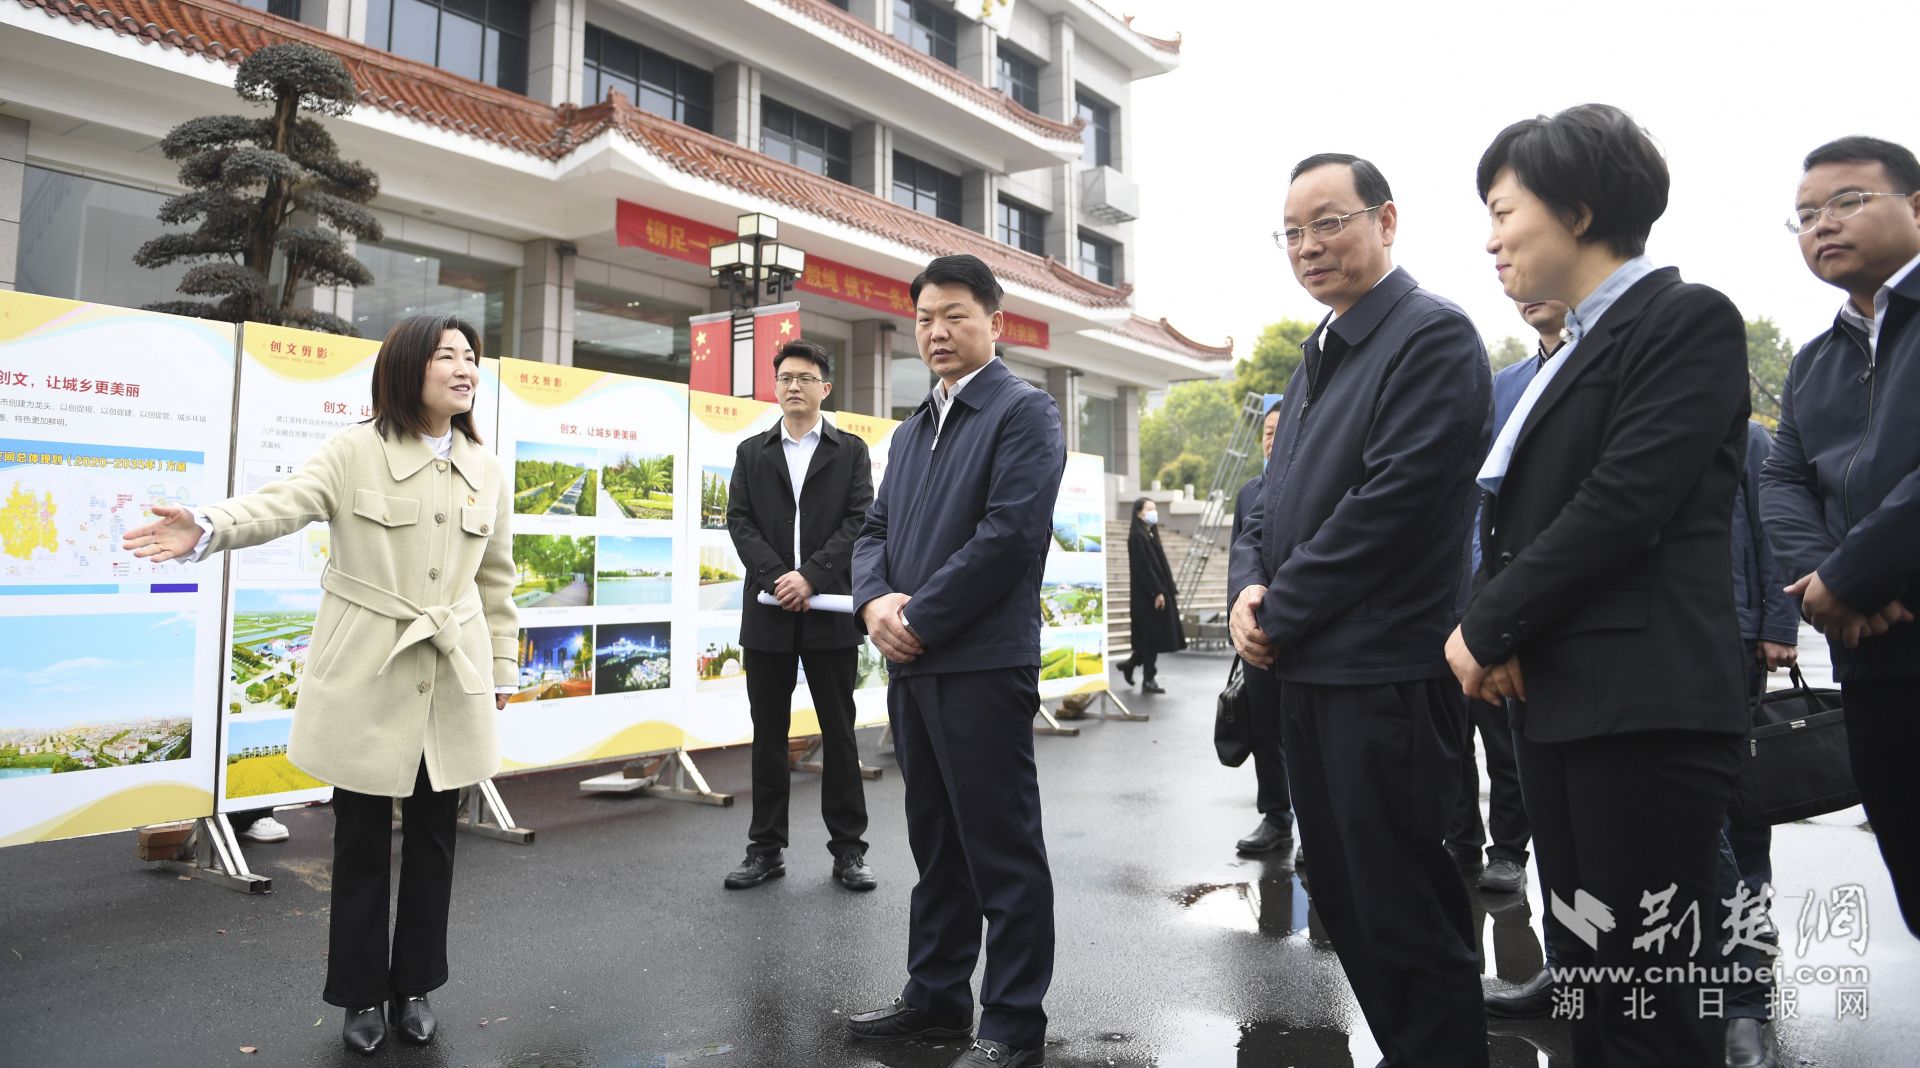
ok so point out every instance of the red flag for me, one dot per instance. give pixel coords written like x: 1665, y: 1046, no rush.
x: 773, y: 326
x: 712, y: 338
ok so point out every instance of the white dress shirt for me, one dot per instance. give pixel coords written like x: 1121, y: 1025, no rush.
x: 799, y: 457
x: 1871, y: 327
x: 943, y: 399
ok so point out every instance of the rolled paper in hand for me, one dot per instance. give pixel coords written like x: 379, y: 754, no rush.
x: 819, y: 602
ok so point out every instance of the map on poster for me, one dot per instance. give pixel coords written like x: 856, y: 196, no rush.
x: 108, y: 662
x: 598, y: 463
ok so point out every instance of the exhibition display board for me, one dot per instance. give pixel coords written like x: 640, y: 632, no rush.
x: 110, y: 663
x: 1073, y: 591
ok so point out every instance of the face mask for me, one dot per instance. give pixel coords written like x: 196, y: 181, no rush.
x: 1151, y: 519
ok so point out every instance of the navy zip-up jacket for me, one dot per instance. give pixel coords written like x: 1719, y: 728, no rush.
x: 1766, y: 612
x: 1359, y: 532
x: 963, y: 528
x: 1840, y: 492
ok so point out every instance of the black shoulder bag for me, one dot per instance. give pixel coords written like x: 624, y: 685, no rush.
x: 1796, y: 763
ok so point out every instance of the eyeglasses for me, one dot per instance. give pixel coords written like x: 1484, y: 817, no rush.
x: 808, y: 381
x: 1293, y: 236
x: 1844, y: 206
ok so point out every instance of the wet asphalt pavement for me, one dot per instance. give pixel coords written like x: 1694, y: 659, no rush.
x: 610, y: 943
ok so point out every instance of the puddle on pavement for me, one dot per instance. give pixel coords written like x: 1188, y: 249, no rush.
x: 1275, y: 906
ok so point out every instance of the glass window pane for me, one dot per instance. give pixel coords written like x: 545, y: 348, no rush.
x: 699, y: 117
x: 417, y: 282
x: 911, y: 381
x: 654, y: 101
x: 379, y: 19
x: 513, y: 63
x: 416, y: 30
x: 620, y: 55
x: 473, y: 9
x: 78, y: 236
x: 513, y: 16
x: 1096, y: 427
x: 631, y: 334
x: 657, y: 70
x: 460, y: 47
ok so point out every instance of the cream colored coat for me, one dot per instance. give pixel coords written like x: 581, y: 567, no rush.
x: 417, y: 626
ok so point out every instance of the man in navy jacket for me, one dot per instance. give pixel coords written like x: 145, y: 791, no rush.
x: 1840, y: 491
x: 1345, y: 584
x: 946, y: 580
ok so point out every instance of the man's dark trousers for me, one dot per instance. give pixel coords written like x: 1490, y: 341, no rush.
x: 1883, y: 733
x: 1375, y: 772
x: 843, y: 800
x: 964, y: 742
x: 1506, y: 808
x: 1274, y: 796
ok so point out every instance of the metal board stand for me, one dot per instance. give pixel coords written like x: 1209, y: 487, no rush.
x: 642, y: 776
x: 217, y: 858
x: 486, y: 815
x: 810, y: 760
x: 1050, y: 725
x: 1108, y: 699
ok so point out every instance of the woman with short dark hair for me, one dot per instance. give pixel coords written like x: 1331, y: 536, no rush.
x: 414, y: 650
x: 1604, y: 606
x: 1154, y: 609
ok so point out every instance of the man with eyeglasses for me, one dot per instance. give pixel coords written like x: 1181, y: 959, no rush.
x: 1345, y: 583
x: 799, y: 494
x: 1840, y: 492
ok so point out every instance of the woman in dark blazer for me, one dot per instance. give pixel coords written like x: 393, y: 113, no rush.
x: 1155, y: 611
x: 1604, y: 604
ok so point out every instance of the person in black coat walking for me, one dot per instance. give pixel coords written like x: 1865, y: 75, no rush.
x: 1155, y: 607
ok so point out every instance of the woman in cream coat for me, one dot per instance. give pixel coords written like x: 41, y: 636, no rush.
x: 414, y: 650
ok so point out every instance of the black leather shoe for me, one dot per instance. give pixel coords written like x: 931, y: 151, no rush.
x: 1503, y: 876
x: 901, y: 1021
x: 1531, y: 998
x: 1126, y: 670
x: 1265, y: 838
x: 1751, y: 1044
x: 853, y: 872
x: 365, y: 1030
x: 413, y: 1018
x: 1151, y: 686
x: 989, y: 1054
x: 756, y: 869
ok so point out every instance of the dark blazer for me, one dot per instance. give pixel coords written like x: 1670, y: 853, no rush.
x: 1840, y: 492
x: 1359, y: 532
x: 1154, y: 630
x: 1607, y: 566
x: 963, y: 529
x: 1759, y: 600
x: 833, y: 503
x: 1243, y: 503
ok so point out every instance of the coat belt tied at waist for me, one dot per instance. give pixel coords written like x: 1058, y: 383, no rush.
x: 439, y: 624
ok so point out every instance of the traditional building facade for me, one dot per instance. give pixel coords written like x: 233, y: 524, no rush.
x: 553, y: 170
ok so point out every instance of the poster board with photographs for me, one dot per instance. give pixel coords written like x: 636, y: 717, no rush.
x: 601, y: 505
x: 870, y: 686
x: 1073, y: 589
x: 109, y: 661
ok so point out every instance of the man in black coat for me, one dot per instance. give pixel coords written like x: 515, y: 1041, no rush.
x: 1345, y: 581
x: 799, y: 494
x: 1272, y: 797
x: 1841, y: 490
x: 946, y: 580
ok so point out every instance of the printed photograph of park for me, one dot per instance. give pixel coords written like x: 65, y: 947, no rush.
x: 1073, y: 591
x: 634, y: 571
x: 637, y: 486
x: 257, y: 761
x: 271, y: 633
x: 82, y: 713
x: 554, y: 479
x: 556, y: 570
x: 1079, y: 532
x: 720, y: 664
x: 714, y: 483
x: 1071, y: 654
x: 721, y: 572
x: 630, y: 657
x: 555, y: 662
x: 871, y: 668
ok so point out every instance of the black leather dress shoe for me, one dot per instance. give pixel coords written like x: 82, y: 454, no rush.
x: 853, y: 873
x: 1503, y: 876
x: 1151, y: 686
x: 365, y: 1030
x: 1265, y: 838
x: 1531, y: 998
x: 413, y: 1018
x: 989, y: 1054
x: 1126, y: 670
x: 1751, y: 1044
x: 756, y: 869
x: 901, y: 1021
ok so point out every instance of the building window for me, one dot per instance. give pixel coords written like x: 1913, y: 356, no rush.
x: 1022, y: 227
x: 660, y: 84
x: 925, y: 188
x: 1098, y: 258
x: 413, y: 281
x: 911, y: 381
x: 804, y: 141
x: 286, y: 9
x: 1019, y: 78
x: 485, y: 40
x: 1096, y: 428
x: 1096, y: 141
x: 78, y: 236
x: 925, y: 26
x: 632, y: 335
